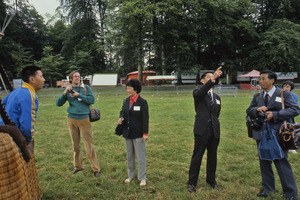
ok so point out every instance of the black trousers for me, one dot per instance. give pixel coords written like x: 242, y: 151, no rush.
x: 209, y: 142
x: 285, y: 172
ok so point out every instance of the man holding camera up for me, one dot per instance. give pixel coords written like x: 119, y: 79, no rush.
x: 267, y: 105
x: 80, y: 97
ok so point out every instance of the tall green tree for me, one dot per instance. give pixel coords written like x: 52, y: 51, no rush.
x: 51, y: 64
x: 269, y: 10
x: 226, y: 34
x: 24, y: 38
x: 83, y: 34
x: 81, y: 62
x: 173, y: 35
x: 273, y: 49
x: 56, y: 35
x: 205, y: 33
x: 278, y: 48
x: 131, y: 25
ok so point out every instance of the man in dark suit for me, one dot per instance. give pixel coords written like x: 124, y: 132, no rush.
x: 206, y: 130
x: 269, y: 102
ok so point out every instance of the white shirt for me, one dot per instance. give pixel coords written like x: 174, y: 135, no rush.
x: 211, y: 94
x: 271, y: 92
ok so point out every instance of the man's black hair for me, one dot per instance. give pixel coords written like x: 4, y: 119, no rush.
x: 271, y: 75
x: 291, y: 83
x: 136, y: 84
x: 203, y: 75
x: 28, y: 72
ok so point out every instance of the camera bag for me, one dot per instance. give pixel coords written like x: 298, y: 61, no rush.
x: 289, y: 133
x: 250, y: 122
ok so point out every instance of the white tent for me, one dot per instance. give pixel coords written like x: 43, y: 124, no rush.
x: 161, y: 77
x: 104, y: 80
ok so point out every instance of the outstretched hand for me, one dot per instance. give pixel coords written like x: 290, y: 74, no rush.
x: 217, y: 74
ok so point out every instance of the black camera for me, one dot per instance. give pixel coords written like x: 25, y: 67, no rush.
x: 258, y: 122
x: 262, y: 115
x: 72, y: 91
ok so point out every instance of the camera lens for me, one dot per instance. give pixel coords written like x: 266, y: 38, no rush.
x: 257, y: 124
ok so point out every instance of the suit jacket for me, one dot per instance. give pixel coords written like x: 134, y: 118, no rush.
x: 136, y: 118
x: 205, y: 112
x: 291, y: 110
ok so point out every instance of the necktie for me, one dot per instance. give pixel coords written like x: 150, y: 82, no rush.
x: 210, y: 98
x: 266, y: 100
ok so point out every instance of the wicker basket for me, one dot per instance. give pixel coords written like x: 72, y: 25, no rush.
x: 18, y: 179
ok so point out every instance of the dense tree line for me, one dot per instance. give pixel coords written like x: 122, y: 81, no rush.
x: 186, y: 36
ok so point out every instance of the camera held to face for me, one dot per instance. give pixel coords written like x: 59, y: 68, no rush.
x: 72, y: 91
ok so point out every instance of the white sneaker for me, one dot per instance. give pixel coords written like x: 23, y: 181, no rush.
x: 292, y: 151
x: 128, y: 180
x: 143, y: 183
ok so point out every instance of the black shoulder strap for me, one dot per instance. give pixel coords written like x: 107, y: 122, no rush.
x: 5, y: 78
x: 5, y: 118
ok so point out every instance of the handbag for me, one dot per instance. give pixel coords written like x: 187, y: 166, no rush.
x: 269, y: 148
x: 290, y: 135
x: 252, y: 123
x: 94, y: 114
x: 119, y: 129
x: 289, y: 132
x: 249, y: 124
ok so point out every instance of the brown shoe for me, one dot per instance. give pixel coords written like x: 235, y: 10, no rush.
x: 74, y: 171
x: 96, y: 174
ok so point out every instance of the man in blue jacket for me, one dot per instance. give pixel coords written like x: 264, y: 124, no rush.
x: 22, y: 104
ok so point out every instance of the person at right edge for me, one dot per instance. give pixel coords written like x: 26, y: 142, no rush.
x: 206, y: 130
x: 289, y: 86
x: 269, y: 102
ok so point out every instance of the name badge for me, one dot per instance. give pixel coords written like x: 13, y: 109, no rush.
x: 218, y: 101
x: 136, y: 108
x: 278, y: 99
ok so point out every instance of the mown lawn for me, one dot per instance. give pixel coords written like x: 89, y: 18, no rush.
x: 169, y: 151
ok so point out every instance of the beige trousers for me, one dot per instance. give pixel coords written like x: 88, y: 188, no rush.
x: 83, y: 127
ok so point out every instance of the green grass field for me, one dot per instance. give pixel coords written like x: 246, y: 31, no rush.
x: 169, y: 151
